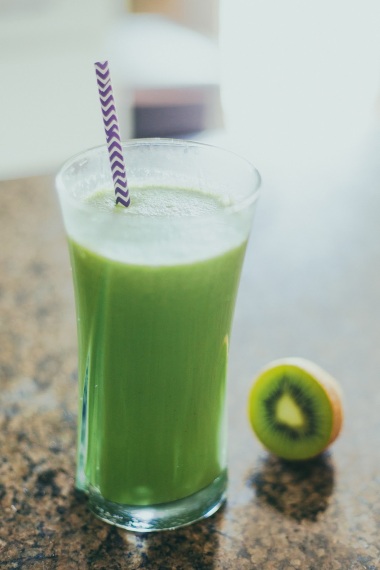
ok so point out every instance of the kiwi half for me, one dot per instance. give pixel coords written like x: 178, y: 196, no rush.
x: 295, y: 408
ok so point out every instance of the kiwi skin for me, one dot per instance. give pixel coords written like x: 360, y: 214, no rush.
x: 329, y: 385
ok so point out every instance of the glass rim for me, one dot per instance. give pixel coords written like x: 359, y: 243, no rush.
x: 160, y: 142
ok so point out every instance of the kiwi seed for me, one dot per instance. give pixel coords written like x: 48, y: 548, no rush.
x: 295, y: 408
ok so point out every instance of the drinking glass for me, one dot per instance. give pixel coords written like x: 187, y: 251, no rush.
x: 155, y: 287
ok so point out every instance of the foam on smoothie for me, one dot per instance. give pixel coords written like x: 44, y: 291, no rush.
x: 153, y: 201
x: 162, y: 226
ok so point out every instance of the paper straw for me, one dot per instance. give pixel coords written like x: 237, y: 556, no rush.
x: 111, y: 127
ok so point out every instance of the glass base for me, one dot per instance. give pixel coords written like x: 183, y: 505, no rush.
x: 165, y: 516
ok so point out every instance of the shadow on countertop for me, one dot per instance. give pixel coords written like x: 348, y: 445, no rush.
x: 299, y: 490
x: 107, y: 547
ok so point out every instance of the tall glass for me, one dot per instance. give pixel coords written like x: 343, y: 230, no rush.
x: 155, y: 287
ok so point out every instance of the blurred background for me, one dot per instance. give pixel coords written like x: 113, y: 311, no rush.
x: 293, y: 86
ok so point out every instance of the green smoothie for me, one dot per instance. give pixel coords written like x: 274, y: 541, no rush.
x: 153, y: 348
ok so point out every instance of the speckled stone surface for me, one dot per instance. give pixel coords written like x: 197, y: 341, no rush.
x: 310, y: 287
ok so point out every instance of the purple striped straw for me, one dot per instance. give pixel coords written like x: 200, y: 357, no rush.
x: 111, y: 127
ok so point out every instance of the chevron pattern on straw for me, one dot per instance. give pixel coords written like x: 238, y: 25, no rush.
x: 111, y: 127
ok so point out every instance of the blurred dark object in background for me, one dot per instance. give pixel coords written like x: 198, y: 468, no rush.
x: 176, y: 112
x: 174, y: 76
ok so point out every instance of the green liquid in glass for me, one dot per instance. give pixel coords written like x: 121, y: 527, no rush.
x: 153, y: 349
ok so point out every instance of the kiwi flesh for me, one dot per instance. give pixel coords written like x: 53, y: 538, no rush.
x: 295, y: 408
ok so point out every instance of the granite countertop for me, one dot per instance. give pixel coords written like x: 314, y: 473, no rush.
x: 309, y: 288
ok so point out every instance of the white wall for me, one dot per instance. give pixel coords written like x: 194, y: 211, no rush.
x: 48, y: 100
x: 300, y: 79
